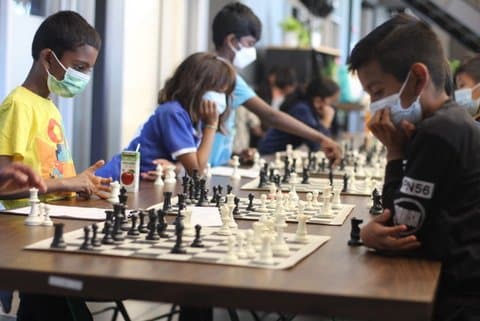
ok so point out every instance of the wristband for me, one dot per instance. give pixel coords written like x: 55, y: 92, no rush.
x: 211, y: 126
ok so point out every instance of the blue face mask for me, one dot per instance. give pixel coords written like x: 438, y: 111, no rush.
x: 464, y: 98
x: 72, y: 83
x: 220, y: 100
x: 412, y: 113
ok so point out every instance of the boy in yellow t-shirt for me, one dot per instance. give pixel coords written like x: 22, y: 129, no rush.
x: 64, y: 51
x: 31, y: 127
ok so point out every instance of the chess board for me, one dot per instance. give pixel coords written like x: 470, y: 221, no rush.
x: 359, y: 188
x: 337, y: 215
x: 213, y: 253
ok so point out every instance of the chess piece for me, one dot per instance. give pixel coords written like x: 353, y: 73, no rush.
x: 301, y: 233
x: 214, y: 197
x: 208, y: 171
x: 280, y: 247
x: 107, y: 237
x: 86, y: 246
x: 58, y: 241
x: 46, y: 216
x: 159, y: 172
x: 95, y: 241
x: 115, y: 192
x: 231, y: 256
x: 266, y: 256
x: 197, y: 241
x: 235, y: 163
x: 178, y: 247
x: 241, y: 253
x: 355, y: 232
x: 162, y: 224
x: 305, y: 175
x: 336, y: 202
x: 263, y: 204
x: 142, y: 227
x: 250, y: 202
x: 236, y: 210
x: 257, y: 233
x: 133, y: 231
x: 309, y: 206
x: 152, y: 227
x: 187, y: 222
x: 170, y: 177
x: 225, y: 217
x: 377, y: 207
x: 293, y: 189
x: 345, y: 188
x: 202, y: 199
x: 34, y: 217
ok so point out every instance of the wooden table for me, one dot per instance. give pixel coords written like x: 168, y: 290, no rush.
x: 335, y: 280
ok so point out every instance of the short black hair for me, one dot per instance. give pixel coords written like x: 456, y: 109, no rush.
x: 64, y: 31
x: 399, y: 43
x: 238, y: 19
x: 321, y: 87
x: 285, y: 76
x: 471, y: 67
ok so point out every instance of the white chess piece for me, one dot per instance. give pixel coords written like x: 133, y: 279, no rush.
x: 309, y: 206
x: 263, y: 204
x: 250, y: 248
x: 46, y: 215
x: 336, y: 202
x: 241, y: 253
x: 273, y: 190
x: 257, y: 162
x: 236, y: 174
x: 231, y: 220
x: 34, y: 217
x: 208, y: 171
x: 293, y: 189
x: 280, y: 247
x: 257, y: 233
x: 230, y: 257
x: 301, y: 233
x: 115, y: 191
x: 289, y: 151
x: 187, y: 222
x: 225, y: 217
x: 266, y: 255
x: 278, y: 160
x: 327, y: 204
x: 159, y: 172
x: 170, y: 177
x: 315, y: 197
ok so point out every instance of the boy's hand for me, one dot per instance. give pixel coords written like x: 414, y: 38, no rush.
x: 17, y: 176
x: 332, y: 150
x: 208, y: 113
x: 88, y: 184
x: 328, y: 113
x: 378, y: 235
x: 152, y: 175
x: 392, y: 137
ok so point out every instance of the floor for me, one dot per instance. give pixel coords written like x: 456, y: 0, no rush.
x: 150, y: 311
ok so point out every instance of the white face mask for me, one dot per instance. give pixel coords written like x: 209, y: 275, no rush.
x: 412, y: 113
x: 244, y: 57
x: 220, y: 100
x: 464, y: 98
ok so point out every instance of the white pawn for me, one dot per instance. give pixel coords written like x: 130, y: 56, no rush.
x: 46, y: 215
x: 293, y: 190
x: 257, y: 233
x: 272, y: 190
x: 208, y: 171
x: 230, y: 257
x: 278, y: 160
x: 225, y: 217
x: 263, y: 204
x: 266, y: 256
x: 241, y: 253
x: 159, y: 172
x: 336, y: 202
x: 250, y: 248
x: 35, y: 211
x: 289, y: 150
x: 309, y: 206
x: 280, y: 247
x: 170, y: 177
x: 236, y: 174
x: 315, y: 197
x: 187, y: 222
x: 301, y: 234
x: 115, y: 191
x: 257, y: 162
x: 327, y: 204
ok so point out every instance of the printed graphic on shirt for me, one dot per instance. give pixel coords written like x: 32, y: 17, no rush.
x: 56, y: 159
x: 408, y: 212
x: 418, y: 188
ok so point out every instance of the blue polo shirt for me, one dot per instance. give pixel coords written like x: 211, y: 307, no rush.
x: 223, y: 145
x: 167, y: 134
x: 276, y: 140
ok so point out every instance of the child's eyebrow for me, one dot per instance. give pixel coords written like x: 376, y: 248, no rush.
x: 369, y: 86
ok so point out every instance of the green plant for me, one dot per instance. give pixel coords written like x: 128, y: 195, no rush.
x: 291, y: 24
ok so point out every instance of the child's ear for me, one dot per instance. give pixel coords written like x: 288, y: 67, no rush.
x: 45, y: 57
x: 231, y: 41
x: 420, y: 76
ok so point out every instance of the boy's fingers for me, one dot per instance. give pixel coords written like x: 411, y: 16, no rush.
x: 96, y: 166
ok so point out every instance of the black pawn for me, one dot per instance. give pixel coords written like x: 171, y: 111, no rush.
x: 86, y: 246
x: 95, y: 241
x: 197, y: 241
x: 323, y: 165
x: 236, y: 210
x: 109, y: 218
x: 142, y: 227
x: 355, y: 232
x: 229, y: 189
x: 162, y: 224
x: 178, y: 247
x: 58, y: 242
x: 342, y: 164
x: 152, y: 225
x: 330, y: 176
x: 107, y: 238
x: 305, y: 175
x: 345, y: 183
x: 250, y: 202
x: 214, y: 197
x: 167, y: 201
x: 202, y: 198
x: 133, y: 231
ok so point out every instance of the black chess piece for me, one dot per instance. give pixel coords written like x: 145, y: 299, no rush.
x: 355, y: 232
x: 271, y: 177
x: 107, y: 237
x: 323, y: 165
x: 86, y: 246
x: 236, y: 210
x: 305, y: 175
x: 122, y: 197
x: 152, y: 227
x: 294, y: 166
x: 330, y: 175
x: 58, y: 241
x: 95, y: 241
x: 355, y: 166
x: 278, y: 180
x: 162, y: 225
x: 229, y: 189
x: 214, y: 197
x: 377, y: 207
x: 142, y: 227
x: 197, y: 241
x: 167, y: 201
x: 181, y: 201
x: 109, y: 218
x: 178, y: 247
x: 133, y: 231
x: 202, y: 199
x: 251, y: 197
x: 185, y: 180
x: 218, y: 200
x: 342, y: 164
x: 117, y: 233
x: 286, y: 168
x: 263, y: 179
x: 345, y: 183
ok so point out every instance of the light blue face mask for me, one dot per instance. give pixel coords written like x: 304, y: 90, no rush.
x: 72, y: 83
x: 412, y: 113
x: 220, y: 100
x: 464, y: 98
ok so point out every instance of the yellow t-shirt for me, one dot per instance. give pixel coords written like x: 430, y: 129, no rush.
x: 31, y: 131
